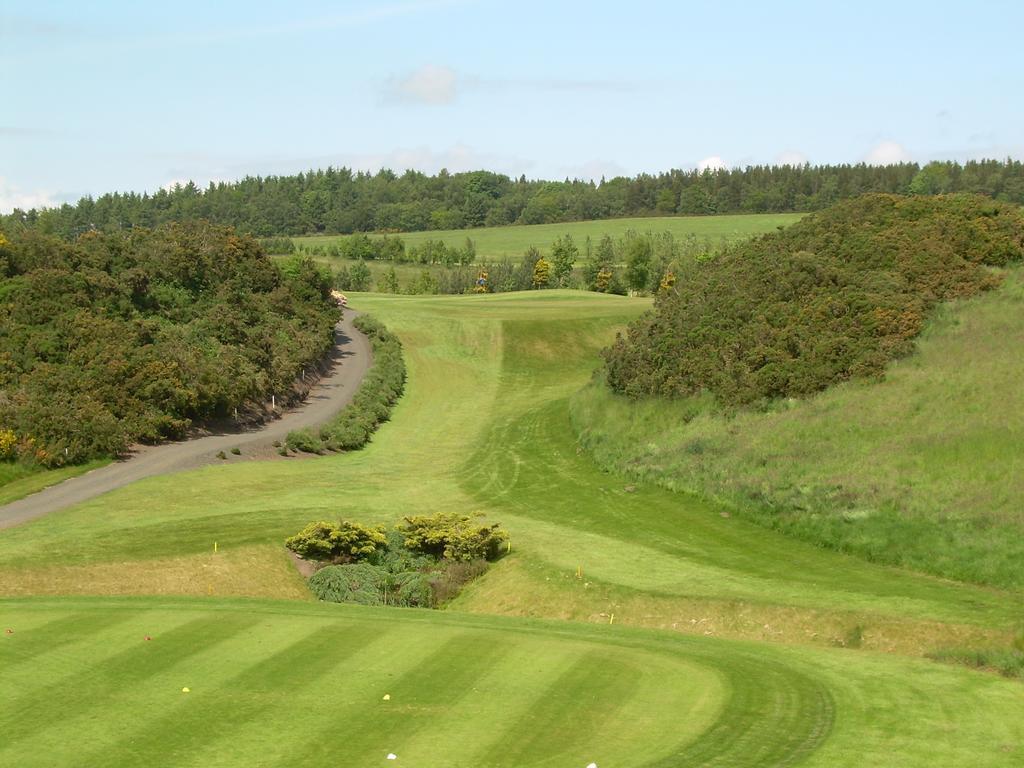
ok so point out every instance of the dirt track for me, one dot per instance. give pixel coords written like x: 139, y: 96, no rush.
x: 349, y: 362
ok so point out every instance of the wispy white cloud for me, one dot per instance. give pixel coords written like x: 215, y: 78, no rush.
x: 887, y: 153
x: 12, y: 196
x: 712, y: 163
x: 25, y: 26
x: 368, y: 14
x: 430, y: 84
x: 791, y: 157
x: 202, y: 168
x: 436, y: 84
x: 593, y: 170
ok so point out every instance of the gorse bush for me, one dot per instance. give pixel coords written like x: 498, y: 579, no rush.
x: 453, y: 537
x: 133, y: 336
x: 835, y: 296
x: 346, y: 541
x: 379, y: 391
x: 423, y: 562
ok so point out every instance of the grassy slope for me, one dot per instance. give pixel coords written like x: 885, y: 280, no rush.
x: 18, y: 481
x: 493, y: 243
x: 924, y: 469
x: 278, y: 684
x: 484, y: 426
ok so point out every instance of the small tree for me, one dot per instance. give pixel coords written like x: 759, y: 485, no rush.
x: 638, y: 263
x: 564, y: 255
x: 359, y: 277
x: 388, y: 282
x: 541, y: 273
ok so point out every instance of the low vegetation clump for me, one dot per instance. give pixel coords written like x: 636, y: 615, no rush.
x: 835, y: 296
x: 135, y: 335
x: 452, y: 537
x: 1008, y: 662
x: 337, y: 542
x: 379, y: 391
x: 423, y: 562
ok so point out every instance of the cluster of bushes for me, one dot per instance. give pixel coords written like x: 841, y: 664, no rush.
x: 837, y: 295
x: 338, y: 200
x: 133, y: 336
x: 362, y: 247
x: 421, y: 562
x: 640, y: 262
x: 278, y: 246
x: 379, y: 391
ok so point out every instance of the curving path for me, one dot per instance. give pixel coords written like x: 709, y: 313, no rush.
x: 350, y: 360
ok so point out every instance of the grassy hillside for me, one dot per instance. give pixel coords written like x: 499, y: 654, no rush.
x: 493, y: 243
x: 484, y: 426
x: 923, y: 469
x: 770, y: 651
x: 275, y: 684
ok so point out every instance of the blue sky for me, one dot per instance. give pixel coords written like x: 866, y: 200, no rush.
x: 110, y: 96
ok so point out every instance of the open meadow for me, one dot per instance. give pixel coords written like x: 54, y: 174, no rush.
x: 770, y: 651
x: 496, y: 243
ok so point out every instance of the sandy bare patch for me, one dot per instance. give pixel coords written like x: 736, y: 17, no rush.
x: 258, y: 571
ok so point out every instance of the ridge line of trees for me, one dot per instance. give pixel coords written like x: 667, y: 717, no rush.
x: 343, y: 201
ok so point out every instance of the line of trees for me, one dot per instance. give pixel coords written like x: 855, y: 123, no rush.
x: 637, y: 262
x: 341, y: 201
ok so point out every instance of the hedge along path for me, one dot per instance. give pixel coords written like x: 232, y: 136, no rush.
x: 351, y: 358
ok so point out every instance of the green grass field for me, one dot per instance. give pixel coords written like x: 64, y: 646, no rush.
x: 279, y: 684
x: 924, y: 469
x: 495, y: 243
x: 694, y: 638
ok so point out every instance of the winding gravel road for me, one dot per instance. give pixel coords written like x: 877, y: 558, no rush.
x: 350, y: 360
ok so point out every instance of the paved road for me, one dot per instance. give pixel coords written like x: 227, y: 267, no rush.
x: 349, y: 362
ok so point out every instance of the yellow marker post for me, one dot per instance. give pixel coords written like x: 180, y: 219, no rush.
x: 215, y: 547
x: 611, y: 619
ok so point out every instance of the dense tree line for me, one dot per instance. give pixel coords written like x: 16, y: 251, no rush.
x: 340, y: 201
x: 128, y: 336
x: 837, y: 295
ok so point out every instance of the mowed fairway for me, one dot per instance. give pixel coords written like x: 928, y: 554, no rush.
x: 483, y: 427
x: 494, y: 243
x: 277, y: 684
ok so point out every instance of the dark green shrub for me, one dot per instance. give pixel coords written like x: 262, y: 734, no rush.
x: 453, y: 537
x: 304, y: 440
x: 356, y: 583
x: 236, y: 451
x: 379, y: 391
